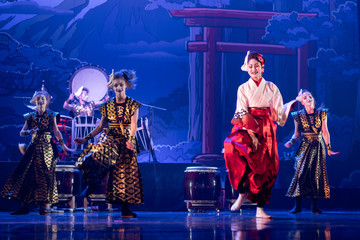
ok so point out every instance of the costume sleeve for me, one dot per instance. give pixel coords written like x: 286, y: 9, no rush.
x: 242, y: 118
x: 57, y: 116
x: 242, y: 103
x: 134, y: 106
x: 295, y: 115
x: 27, y: 117
x: 324, y: 113
x: 102, y: 109
x: 282, y: 109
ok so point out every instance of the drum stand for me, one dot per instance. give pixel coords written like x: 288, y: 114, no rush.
x: 148, y: 144
x: 144, y: 138
x: 202, y: 206
x: 81, y: 127
x: 97, y: 198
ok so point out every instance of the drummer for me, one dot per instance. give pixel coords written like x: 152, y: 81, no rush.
x: 81, y: 106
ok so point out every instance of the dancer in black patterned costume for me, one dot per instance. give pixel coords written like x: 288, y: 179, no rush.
x: 117, y: 148
x: 33, y: 180
x: 310, y: 179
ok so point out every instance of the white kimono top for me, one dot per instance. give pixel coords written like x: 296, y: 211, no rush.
x: 266, y: 95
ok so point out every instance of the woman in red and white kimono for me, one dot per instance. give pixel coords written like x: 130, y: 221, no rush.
x: 251, y: 152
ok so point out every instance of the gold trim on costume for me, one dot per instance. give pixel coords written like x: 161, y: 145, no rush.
x: 311, y: 134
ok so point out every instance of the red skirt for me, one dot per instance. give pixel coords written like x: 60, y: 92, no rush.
x: 259, y: 167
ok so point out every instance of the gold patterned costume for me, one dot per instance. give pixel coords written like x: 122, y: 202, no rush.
x: 34, y: 180
x: 111, y: 154
x: 310, y: 179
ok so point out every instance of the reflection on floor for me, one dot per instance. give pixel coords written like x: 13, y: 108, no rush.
x: 181, y: 225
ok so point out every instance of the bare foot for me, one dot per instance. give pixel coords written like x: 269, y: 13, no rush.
x: 239, y: 201
x: 260, y: 213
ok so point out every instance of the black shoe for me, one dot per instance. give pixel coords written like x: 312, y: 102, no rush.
x: 295, y: 210
x: 316, y: 211
x: 128, y: 214
x: 42, y: 212
x: 42, y: 209
x: 314, y: 207
x: 21, y: 211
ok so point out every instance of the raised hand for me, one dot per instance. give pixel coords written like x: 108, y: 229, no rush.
x: 71, y: 97
x: 300, y: 96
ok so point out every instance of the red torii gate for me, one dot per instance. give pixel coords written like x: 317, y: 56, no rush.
x: 212, y: 20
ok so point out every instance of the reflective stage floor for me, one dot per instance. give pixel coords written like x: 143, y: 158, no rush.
x: 181, y: 225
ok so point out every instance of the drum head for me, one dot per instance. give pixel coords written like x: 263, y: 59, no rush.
x: 201, y: 169
x: 91, y: 77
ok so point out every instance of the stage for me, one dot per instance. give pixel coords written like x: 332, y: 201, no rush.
x: 181, y: 225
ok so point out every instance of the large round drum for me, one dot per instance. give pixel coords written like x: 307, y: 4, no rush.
x: 202, y: 183
x: 67, y: 178
x: 93, y: 78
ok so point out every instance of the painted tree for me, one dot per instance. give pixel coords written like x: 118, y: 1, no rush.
x: 337, y: 65
x: 23, y: 67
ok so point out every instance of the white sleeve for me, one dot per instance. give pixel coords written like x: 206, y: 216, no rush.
x: 281, y: 109
x: 242, y: 103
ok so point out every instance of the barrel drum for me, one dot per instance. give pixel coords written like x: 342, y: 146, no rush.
x: 202, y: 188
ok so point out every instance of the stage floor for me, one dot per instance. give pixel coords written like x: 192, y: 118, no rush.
x: 181, y: 225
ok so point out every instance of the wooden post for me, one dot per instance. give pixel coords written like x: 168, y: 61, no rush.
x: 211, y: 76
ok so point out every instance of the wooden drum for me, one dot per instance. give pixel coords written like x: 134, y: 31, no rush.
x: 67, y: 179
x: 202, y: 188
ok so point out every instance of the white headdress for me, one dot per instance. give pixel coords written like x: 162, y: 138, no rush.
x: 78, y: 92
x: 111, y: 78
x: 244, y: 67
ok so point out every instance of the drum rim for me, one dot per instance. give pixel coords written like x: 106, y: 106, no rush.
x: 65, y: 117
x: 66, y: 166
x: 202, y: 168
